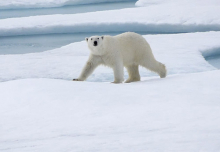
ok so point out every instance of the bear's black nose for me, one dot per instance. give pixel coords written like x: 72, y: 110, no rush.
x: 95, y: 43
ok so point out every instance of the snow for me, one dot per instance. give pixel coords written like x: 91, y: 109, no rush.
x: 21, y: 4
x: 178, y: 113
x: 182, y: 53
x: 188, y: 18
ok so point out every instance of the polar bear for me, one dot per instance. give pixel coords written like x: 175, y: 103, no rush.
x: 127, y: 50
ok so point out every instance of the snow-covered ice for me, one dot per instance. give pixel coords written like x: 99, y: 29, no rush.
x: 42, y: 110
x: 152, y: 19
x: 178, y: 113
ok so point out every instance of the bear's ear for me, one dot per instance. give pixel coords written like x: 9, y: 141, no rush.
x: 87, y: 39
x: 102, y: 37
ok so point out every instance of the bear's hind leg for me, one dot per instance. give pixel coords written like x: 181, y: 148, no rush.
x: 155, y: 66
x: 133, y: 73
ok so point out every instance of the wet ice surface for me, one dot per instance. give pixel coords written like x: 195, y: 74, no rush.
x: 212, y: 56
x: 214, y: 60
x: 11, y: 13
x: 37, y: 43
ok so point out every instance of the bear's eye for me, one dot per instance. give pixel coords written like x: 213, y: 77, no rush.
x: 98, y: 38
x: 91, y: 38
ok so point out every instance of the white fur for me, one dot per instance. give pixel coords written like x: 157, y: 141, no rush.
x: 124, y: 50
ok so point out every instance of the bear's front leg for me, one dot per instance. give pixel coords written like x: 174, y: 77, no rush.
x: 90, y: 66
x: 118, y: 72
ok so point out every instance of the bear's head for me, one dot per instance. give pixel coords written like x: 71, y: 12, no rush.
x: 95, y: 44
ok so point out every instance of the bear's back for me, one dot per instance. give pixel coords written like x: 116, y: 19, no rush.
x: 132, y: 46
